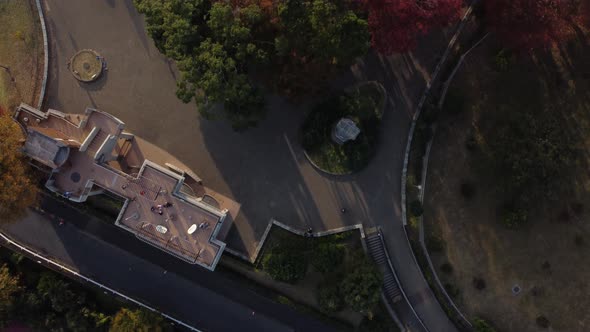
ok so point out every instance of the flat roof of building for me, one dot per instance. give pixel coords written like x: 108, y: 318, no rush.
x: 160, y: 208
x: 184, y: 226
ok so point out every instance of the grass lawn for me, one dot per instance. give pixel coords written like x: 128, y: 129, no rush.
x: 21, y: 50
x: 547, y: 256
x: 363, y: 105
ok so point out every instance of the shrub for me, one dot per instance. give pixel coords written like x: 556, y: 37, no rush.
x: 285, y: 264
x: 316, y: 131
x: 416, y: 208
x: 327, y: 257
x: 446, y: 268
x: 537, y: 291
x: 417, y: 163
x: 329, y: 297
x: 452, y: 290
x: 362, y: 285
x: 285, y: 300
x: 479, y: 283
x: 514, y: 217
x: 502, y: 61
x: 414, y: 222
x: 435, y: 243
x: 377, y: 323
x: 481, y: 325
x: 542, y: 321
x: 467, y: 190
x: 410, y: 180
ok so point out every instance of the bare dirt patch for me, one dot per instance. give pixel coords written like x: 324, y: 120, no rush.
x: 21, y: 53
x: 548, y: 256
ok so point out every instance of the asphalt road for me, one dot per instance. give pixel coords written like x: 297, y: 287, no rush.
x: 207, y: 300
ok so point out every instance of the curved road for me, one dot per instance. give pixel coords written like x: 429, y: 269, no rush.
x: 264, y: 168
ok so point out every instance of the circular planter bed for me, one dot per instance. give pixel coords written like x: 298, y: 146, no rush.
x: 364, y: 105
x: 86, y: 65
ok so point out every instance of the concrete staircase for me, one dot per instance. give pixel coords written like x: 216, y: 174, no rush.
x: 97, y: 142
x: 376, y: 248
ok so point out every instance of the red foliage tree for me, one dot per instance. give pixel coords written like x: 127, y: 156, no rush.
x: 395, y: 24
x: 526, y: 24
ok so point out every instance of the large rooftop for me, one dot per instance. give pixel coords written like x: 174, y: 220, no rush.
x: 166, y: 206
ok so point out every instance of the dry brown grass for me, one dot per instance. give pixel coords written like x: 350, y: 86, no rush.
x: 21, y: 50
x: 477, y: 245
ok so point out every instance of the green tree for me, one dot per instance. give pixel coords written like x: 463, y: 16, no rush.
x: 9, y: 287
x: 177, y: 26
x: 316, y: 38
x: 327, y: 257
x: 139, y: 320
x: 17, y: 190
x: 57, y: 291
x: 330, y: 298
x: 214, y: 77
x: 214, y: 46
x: 285, y: 264
x: 323, y: 30
x: 362, y: 284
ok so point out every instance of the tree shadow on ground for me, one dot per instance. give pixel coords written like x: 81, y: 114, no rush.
x: 267, y: 172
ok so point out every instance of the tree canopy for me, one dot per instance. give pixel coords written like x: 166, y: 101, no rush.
x: 525, y: 24
x: 222, y: 46
x: 362, y: 285
x: 321, y: 30
x: 17, y: 190
x: 9, y: 287
x: 139, y: 320
x: 175, y: 25
x: 396, y: 24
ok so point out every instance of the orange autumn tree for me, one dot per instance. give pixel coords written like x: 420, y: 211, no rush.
x: 17, y: 190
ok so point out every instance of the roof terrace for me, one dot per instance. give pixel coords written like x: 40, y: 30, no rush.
x: 160, y: 207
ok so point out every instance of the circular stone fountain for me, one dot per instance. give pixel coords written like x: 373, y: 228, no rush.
x: 86, y: 65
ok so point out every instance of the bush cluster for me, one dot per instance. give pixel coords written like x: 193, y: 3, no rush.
x: 285, y: 263
x: 316, y: 131
x: 356, y: 285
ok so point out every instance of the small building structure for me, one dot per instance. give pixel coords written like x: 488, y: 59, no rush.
x: 345, y: 130
x: 164, y: 205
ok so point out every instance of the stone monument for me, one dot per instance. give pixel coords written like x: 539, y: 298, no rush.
x: 345, y: 130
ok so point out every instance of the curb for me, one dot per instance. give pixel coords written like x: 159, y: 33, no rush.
x: 411, y: 135
x: 45, y: 57
x: 426, y: 159
x: 419, y: 108
x: 65, y: 269
x: 321, y: 169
